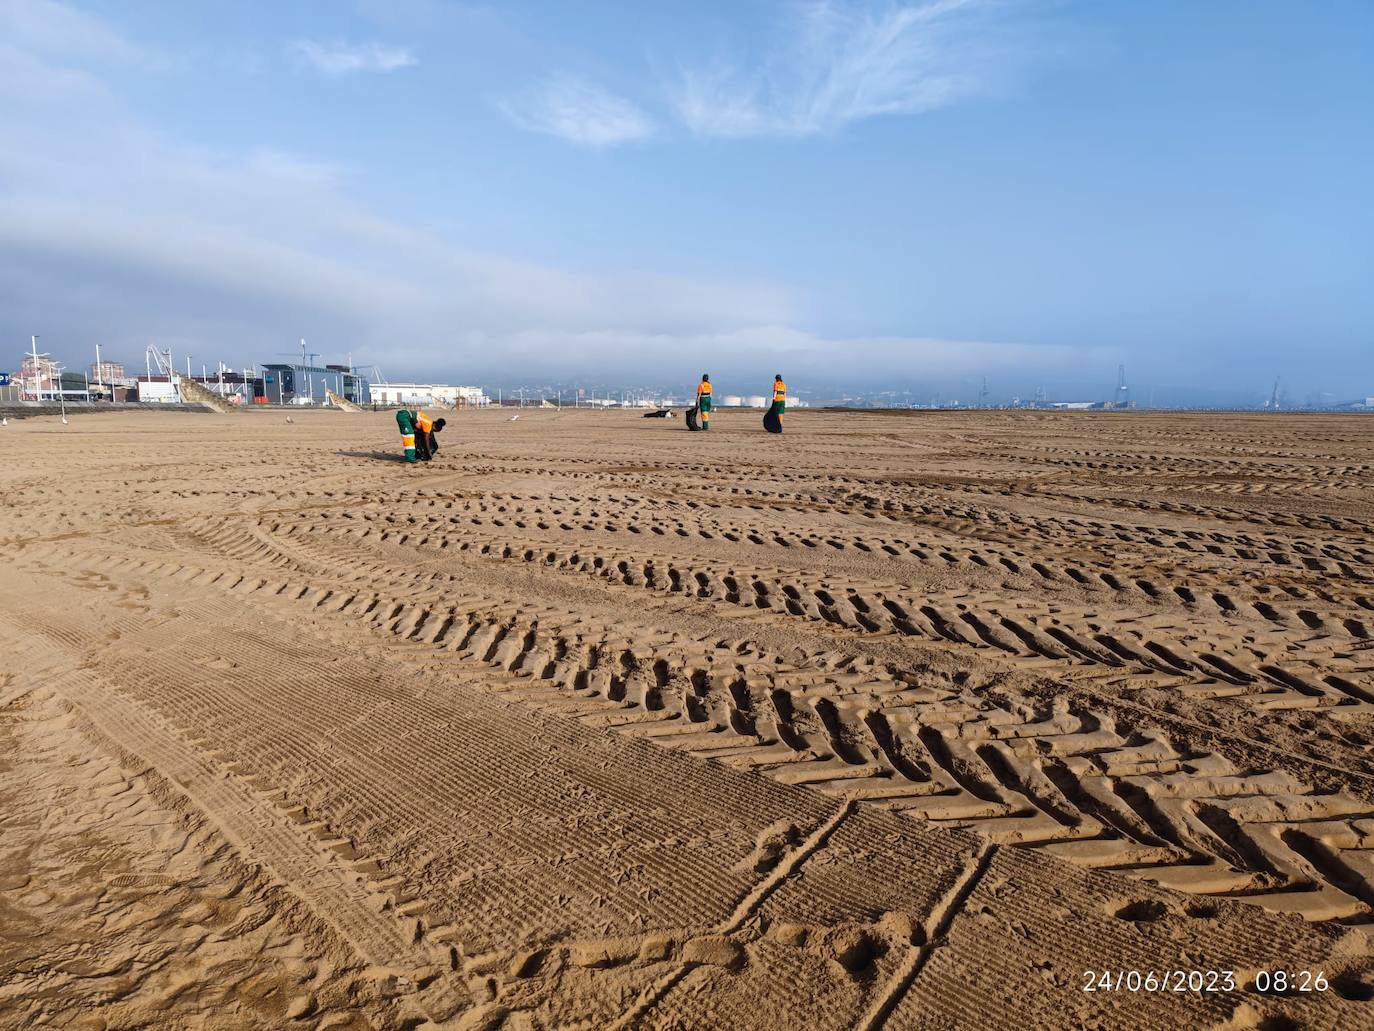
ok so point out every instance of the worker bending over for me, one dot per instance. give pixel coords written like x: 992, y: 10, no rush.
x: 704, y: 401
x: 417, y: 434
x: 426, y: 446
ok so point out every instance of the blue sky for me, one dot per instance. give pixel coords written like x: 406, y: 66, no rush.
x: 916, y: 195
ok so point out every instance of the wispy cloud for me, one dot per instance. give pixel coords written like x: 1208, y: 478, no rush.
x: 840, y: 63
x: 227, y: 253
x: 48, y: 27
x: 340, y: 58
x: 580, y: 112
x: 209, y: 249
x: 279, y: 165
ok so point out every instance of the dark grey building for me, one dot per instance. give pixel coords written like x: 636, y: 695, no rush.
x: 295, y: 384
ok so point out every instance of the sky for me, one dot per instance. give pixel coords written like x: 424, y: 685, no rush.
x: 879, y: 195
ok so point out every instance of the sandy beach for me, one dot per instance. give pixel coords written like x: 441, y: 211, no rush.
x: 915, y: 720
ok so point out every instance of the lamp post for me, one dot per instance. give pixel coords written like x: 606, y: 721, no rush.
x: 61, y: 397
x: 37, y: 379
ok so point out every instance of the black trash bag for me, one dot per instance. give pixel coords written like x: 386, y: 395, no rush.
x: 692, y: 419
x: 772, y: 422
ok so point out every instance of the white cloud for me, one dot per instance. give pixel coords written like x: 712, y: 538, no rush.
x: 276, y: 164
x: 234, y: 259
x: 112, y: 232
x: 841, y: 63
x: 27, y: 79
x: 54, y: 28
x: 229, y: 252
x: 580, y: 112
x: 340, y: 58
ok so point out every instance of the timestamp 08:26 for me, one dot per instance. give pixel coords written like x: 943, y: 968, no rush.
x: 1265, y: 982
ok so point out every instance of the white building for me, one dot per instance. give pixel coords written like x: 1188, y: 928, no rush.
x: 427, y: 394
x: 158, y: 391
x: 754, y: 401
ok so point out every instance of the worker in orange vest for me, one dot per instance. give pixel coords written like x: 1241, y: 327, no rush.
x: 425, y: 428
x: 772, y: 419
x: 704, y: 401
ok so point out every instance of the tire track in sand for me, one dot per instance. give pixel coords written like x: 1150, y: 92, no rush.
x: 259, y: 832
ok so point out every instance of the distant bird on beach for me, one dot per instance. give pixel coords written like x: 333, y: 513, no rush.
x: 64, y: 420
x: 514, y: 417
x: 289, y: 419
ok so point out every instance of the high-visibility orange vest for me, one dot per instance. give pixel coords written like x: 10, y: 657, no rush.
x: 779, y: 390
x: 703, y: 388
x: 424, y: 422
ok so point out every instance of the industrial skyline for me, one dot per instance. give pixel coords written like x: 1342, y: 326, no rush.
x: 277, y: 384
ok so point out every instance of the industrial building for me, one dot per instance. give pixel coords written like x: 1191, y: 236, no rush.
x: 307, y: 384
x: 427, y: 394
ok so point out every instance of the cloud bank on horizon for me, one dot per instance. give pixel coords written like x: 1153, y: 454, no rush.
x: 864, y: 193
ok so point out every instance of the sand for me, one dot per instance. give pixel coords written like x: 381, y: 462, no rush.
x: 907, y: 720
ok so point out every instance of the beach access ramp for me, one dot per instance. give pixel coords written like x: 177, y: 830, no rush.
x: 340, y: 403
x: 195, y: 393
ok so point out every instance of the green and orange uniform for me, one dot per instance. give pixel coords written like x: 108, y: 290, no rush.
x: 779, y: 396
x: 405, y: 422
x: 704, y: 401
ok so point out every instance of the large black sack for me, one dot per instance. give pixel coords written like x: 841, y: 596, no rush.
x: 771, y: 420
x: 692, y: 419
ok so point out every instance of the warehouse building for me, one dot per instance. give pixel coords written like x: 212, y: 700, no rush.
x: 428, y: 394
x: 307, y: 384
